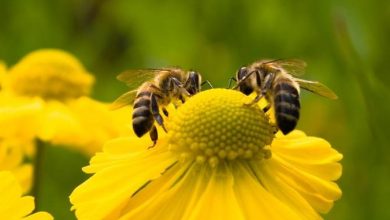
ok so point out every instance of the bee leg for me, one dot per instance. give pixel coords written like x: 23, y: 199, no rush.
x: 176, y: 83
x: 275, y: 128
x: 230, y: 82
x: 155, y: 112
x: 182, y: 99
x: 165, y: 111
x: 266, y: 108
x: 264, y: 89
x: 208, y: 83
x: 154, y: 136
x: 254, y: 101
x: 268, y: 79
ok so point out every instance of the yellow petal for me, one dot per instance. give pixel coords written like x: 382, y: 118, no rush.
x: 307, y: 165
x: 312, y: 154
x: 23, y: 174
x: 218, y: 200
x: 186, y: 191
x: 82, y: 124
x: 284, y: 192
x: 59, y: 125
x: 39, y: 216
x: 255, y: 201
x: 12, y: 205
x: 10, y: 191
x: 122, y: 149
x: 12, y: 154
x: 21, y: 207
x: 16, y: 111
x: 164, y: 194
x: 99, y: 123
x: 107, y: 191
x: 311, y: 187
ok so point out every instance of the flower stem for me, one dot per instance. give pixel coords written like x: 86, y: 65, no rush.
x: 38, y: 166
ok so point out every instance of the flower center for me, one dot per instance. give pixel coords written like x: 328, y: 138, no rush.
x: 50, y: 74
x: 216, y: 125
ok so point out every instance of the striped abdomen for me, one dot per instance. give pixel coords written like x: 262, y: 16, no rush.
x: 286, y: 101
x: 142, y: 116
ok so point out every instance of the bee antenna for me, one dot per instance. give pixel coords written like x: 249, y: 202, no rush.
x: 208, y: 83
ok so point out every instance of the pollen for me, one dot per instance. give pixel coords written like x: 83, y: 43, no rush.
x: 216, y: 125
x: 50, y: 74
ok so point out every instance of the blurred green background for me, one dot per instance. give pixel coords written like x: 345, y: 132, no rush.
x: 345, y: 44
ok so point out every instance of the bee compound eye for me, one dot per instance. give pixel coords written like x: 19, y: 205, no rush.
x: 242, y: 72
x: 194, y: 76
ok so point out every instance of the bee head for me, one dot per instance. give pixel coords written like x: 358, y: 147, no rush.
x: 193, y: 82
x: 244, y: 87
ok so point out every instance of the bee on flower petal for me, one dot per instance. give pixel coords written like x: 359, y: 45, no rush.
x: 156, y: 89
x: 275, y: 80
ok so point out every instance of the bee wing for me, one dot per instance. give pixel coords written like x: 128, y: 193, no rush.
x: 123, y: 100
x: 294, y: 67
x: 316, y: 88
x: 134, y: 78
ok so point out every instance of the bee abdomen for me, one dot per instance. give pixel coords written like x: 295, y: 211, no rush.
x: 287, y: 105
x: 142, y: 117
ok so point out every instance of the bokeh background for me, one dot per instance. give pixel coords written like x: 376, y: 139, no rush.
x: 345, y: 43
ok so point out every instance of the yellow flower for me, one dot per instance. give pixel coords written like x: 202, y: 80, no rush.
x: 12, y: 205
x: 219, y: 160
x: 19, y: 116
x: 12, y: 154
x: 50, y: 74
x: 19, y: 122
x: 44, y: 96
x: 82, y: 124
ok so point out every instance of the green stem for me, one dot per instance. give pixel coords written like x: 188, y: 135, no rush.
x: 38, y: 166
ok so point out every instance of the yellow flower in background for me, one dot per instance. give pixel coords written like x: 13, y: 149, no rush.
x: 45, y: 96
x: 19, y: 116
x: 19, y: 123
x: 12, y: 154
x: 12, y: 205
x: 49, y: 74
x: 99, y: 123
x: 83, y: 124
x: 219, y: 160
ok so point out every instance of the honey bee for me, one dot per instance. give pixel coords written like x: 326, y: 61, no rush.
x: 158, y: 88
x: 275, y: 80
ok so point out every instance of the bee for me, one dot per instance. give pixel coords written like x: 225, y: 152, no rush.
x: 158, y: 88
x: 275, y: 80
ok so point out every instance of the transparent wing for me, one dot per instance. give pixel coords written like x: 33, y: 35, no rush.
x: 294, y: 67
x: 123, y: 100
x: 134, y: 78
x: 316, y: 88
